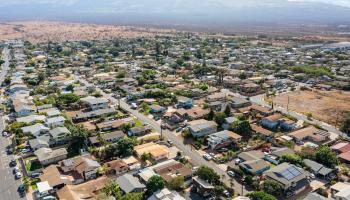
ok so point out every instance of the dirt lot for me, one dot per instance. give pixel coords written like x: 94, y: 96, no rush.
x: 326, y: 106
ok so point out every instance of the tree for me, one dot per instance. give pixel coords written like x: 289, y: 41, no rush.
x: 227, y: 111
x: 326, y: 156
x: 176, y: 183
x: 242, y: 127
x: 155, y: 183
x: 293, y: 159
x: 211, y: 115
x: 126, y: 146
x: 70, y: 87
x: 260, y: 195
x: 208, y: 174
x: 112, y: 189
x: 242, y: 76
x: 273, y: 188
x: 145, y: 156
x: 248, y: 180
x: 345, y: 127
x: 219, y: 118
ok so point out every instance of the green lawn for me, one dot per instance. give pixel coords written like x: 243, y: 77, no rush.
x: 138, y: 123
x: 32, y: 165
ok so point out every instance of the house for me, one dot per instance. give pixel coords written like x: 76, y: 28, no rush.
x: 189, y: 114
x: 57, y: 178
x: 50, y: 112
x: 173, y: 169
x: 340, y: 191
x: 341, y: 147
x: 166, y: 194
x: 83, y: 116
x: 36, y: 144
x: 287, y: 124
x: 111, y: 137
x: 202, y: 187
x: 157, y: 109
x: 31, y: 119
x: 44, y: 189
x: 290, y: 177
x: 129, y: 183
x: 202, y: 127
x: 228, y: 121
x: 184, y: 102
x: 263, y: 111
x: 23, y: 109
x: 237, y: 102
x: 117, y: 167
x: 95, y: 103
x: 223, y: 139
x: 85, y: 166
x: 114, y: 124
x: 156, y: 151
x: 271, y: 122
x: 55, y: 121
x: 255, y: 167
x: 48, y: 156
x: 18, y: 87
x: 344, y: 157
x: 220, y: 96
x: 251, y: 155
x: 132, y: 162
x: 139, y: 131
x: 310, y: 133
x: 277, y: 153
x: 59, y: 135
x: 35, y: 129
x: 88, y: 190
x: 249, y: 89
x: 319, y: 170
x: 316, y: 196
x: 263, y: 133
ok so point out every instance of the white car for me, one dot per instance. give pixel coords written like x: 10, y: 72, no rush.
x: 231, y: 173
x: 207, y: 157
x: 237, y: 161
x: 18, y: 175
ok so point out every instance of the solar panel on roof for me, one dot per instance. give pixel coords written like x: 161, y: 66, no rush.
x: 294, y: 171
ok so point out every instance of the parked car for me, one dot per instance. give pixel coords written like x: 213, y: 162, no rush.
x: 226, y: 193
x: 15, y: 170
x: 222, y: 150
x: 4, y: 134
x: 9, y: 151
x: 25, y: 150
x: 179, y: 129
x: 35, y: 175
x: 18, y: 175
x: 237, y: 161
x: 170, y: 142
x: 207, y: 157
x: 21, y: 188
x: 13, y: 163
x: 231, y: 173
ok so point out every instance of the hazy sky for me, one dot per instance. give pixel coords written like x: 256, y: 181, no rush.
x: 180, y: 11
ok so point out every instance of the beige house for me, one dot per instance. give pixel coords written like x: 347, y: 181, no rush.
x: 48, y: 156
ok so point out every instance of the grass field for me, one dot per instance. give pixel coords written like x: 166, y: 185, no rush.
x: 327, y: 106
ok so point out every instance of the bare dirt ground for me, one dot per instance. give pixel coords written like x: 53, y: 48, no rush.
x: 327, y: 106
x: 42, y: 31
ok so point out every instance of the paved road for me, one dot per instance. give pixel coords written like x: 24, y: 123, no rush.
x: 8, y: 184
x: 196, y: 158
x: 259, y: 99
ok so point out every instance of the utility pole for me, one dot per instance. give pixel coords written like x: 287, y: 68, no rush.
x: 288, y: 104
